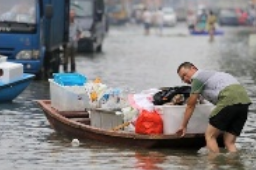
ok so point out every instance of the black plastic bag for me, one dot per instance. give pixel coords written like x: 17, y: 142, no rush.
x: 166, y: 95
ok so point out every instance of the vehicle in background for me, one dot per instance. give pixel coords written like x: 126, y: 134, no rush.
x: 243, y: 17
x: 228, y: 17
x: 31, y: 32
x: 180, y: 13
x: 169, y: 17
x: 117, y: 12
x: 137, y: 12
x: 90, y: 15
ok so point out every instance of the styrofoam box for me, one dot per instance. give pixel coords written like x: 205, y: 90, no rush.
x: 3, y: 58
x: 172, y: 116
x: 68, y: 98
x: 11, y: 71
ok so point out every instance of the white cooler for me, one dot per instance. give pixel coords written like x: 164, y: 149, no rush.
x: 68, y: 98
x: 172, y: 116
x: 11, y: 71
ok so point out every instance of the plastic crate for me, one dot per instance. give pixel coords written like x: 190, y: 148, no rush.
x: 68, y: 98
x: 172, y: 116
x: 105, y: 119
x: 69, y: 79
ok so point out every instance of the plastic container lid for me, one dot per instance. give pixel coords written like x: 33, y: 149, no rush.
x: 69, y: 79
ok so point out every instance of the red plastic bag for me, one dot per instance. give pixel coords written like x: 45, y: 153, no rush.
x: 149, y: 123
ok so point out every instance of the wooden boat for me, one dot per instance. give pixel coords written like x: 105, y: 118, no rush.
x: 9, y: 91
x: 77, y: 125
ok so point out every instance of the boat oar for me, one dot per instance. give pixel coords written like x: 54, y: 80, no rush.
x: 125, y: 124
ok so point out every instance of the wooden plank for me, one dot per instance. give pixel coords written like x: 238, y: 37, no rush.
x: 81, y: 114
x: 86, y: 121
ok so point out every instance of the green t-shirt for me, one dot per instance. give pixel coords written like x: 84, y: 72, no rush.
x: 220, y: 88
x: 232, y: 94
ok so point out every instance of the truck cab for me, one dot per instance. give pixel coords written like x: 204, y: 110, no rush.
x: 31, y: 32
x: 18, y: 33
x: 90, y: 15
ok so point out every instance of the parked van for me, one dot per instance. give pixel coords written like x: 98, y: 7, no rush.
x: 90, y: 14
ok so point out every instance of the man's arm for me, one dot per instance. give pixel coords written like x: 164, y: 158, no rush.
x: 79, y: 30
x: 191, y: 104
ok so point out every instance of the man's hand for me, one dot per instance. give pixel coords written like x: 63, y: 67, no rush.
x: 191, y: 104
x: 182, y: 131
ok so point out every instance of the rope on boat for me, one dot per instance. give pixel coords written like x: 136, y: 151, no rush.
x: 119, y: 127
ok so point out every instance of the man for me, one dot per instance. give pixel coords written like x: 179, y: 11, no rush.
x: 211, y: 20
x: 191, y: 20
x: 230, y: 98
x: 147, y: 19
x: 74, y: 35
x: 159, y: 21
x: 201, y: 21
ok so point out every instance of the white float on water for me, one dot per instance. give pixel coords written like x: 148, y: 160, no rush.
x: 75, y: 142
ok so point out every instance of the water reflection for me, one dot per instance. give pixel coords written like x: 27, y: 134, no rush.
x: 184, y: 160
x: 225, y: 161
x: 149, y: 160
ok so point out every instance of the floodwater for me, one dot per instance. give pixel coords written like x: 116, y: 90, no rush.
x: 140, y: 62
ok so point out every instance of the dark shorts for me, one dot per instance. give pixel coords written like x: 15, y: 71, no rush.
x: 147, y: 26
x: 231, y: 119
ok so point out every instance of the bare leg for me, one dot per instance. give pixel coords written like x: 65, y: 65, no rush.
x: 146, y: 31
x: 230, y: 140
x: 211, y: 135
x: 72, y: 58
x: 66, y: 58
x: 211, y: 32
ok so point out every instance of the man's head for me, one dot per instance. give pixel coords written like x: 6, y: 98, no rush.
x: 72, y: 14
x: 186, y: 70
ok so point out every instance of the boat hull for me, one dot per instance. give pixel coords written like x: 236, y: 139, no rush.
x: 9, y: 91
x: 73, y: 129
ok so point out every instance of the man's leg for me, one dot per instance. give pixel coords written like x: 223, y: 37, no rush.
x: 72, y: 58
x: 66, y: 56
x: 240, y: 113
x: 211, y: 135
x: 230, y: 140
x: 211, y: 33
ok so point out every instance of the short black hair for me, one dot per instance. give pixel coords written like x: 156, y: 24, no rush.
x: 185, y: 64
